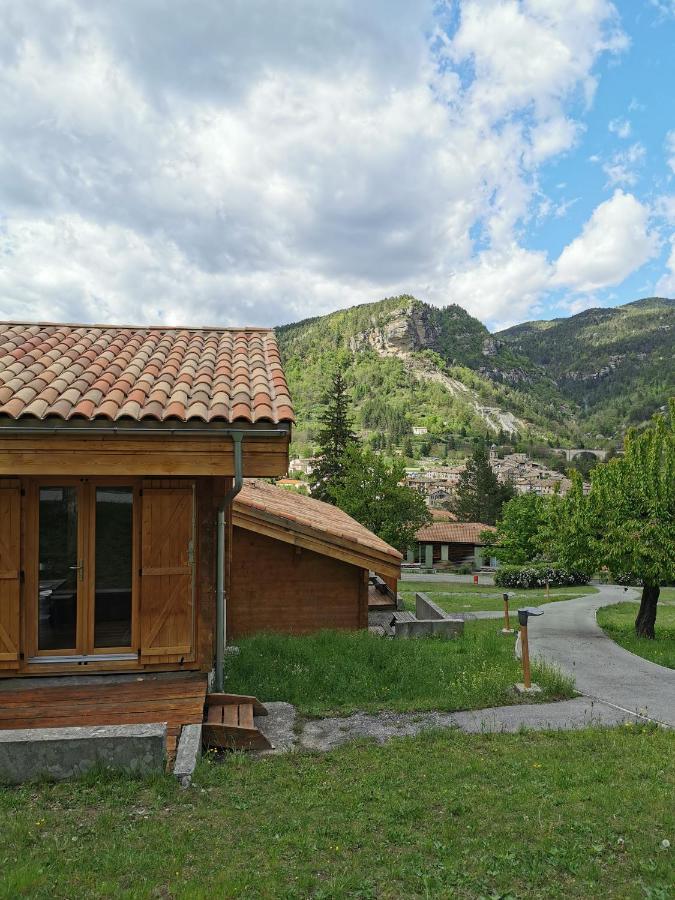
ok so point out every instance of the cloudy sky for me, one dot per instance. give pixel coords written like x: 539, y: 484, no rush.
x: 260, y: 161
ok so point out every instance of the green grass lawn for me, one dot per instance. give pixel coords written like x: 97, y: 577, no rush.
x: 619, y: 620
x: 549, y: 815
x: 458, y: 597
x: 339, y: 672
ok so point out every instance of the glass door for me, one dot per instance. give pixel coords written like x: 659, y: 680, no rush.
x: 85, y: 572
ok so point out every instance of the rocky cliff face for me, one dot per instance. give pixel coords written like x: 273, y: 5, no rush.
x: 405, y: 331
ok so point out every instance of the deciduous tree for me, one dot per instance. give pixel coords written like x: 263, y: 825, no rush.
x: 369, y: 490
x: 632, y: 511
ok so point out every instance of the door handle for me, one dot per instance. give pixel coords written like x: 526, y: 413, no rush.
x: 79, y: 569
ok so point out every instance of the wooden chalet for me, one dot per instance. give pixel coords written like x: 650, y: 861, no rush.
x: 121, y: 450
x: 299, y: 565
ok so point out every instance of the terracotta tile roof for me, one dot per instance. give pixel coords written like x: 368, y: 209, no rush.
x: 107, y: 372
x: 453, y: 532
x: 294, y: 510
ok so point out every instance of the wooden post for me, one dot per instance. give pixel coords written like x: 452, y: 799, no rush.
x: 547, y: 589
x: 525, y: 653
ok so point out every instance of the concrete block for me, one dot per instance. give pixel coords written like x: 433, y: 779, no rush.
x: 533, y: 688
x: 425, y: 608
x: 57, y: 753
x: 188, y: 752
x: 446, y: 628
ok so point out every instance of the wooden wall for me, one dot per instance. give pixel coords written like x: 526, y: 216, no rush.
x: 275, y: 586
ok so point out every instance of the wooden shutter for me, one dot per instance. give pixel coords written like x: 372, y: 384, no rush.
x: 167, y: 602
x: 10, y: 586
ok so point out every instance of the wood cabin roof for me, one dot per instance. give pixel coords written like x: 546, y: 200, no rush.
x: 314, y: 525
x: 137, y: 374
x: 453, y: 533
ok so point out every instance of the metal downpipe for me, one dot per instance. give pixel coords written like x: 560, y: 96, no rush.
x: 221, y: 620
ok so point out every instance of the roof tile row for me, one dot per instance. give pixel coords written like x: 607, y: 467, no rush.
x: 102, y: 372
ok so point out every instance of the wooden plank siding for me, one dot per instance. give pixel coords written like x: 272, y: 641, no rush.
x: 10, y: 574
x: 176, y: 699
x: 142, y: 456
x: 275, y: 586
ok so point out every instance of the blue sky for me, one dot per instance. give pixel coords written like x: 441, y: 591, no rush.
x: 635, y: 91
x: 250, y: 162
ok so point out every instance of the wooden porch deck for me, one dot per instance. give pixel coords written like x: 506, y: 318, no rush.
x: 176, y: 698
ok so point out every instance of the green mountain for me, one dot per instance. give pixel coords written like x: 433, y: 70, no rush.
x: 615, y: 366
x: 553, y: 382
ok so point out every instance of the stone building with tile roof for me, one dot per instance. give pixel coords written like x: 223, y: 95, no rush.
x: 448, y: 544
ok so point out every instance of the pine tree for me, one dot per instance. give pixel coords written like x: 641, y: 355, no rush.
x: 479, y: 496
x: 334, y: 437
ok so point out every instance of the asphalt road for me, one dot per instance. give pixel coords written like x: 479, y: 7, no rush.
x: 568, y: 635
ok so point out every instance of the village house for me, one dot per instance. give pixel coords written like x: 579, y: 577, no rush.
x: 449, y: 545
x: 122, y: 451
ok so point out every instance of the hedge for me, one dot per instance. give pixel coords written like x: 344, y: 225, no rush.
x: 536, y: 575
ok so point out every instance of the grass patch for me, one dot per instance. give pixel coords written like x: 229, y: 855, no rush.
x: 471, y: 597
x: 549, y: 815
x: 339, y: 672
x: 618, y: 621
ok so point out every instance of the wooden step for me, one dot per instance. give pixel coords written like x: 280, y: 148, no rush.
x: 229, y: 725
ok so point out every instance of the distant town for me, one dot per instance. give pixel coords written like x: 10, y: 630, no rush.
x: 437, y: 481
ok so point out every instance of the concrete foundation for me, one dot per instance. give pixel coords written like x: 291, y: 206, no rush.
x: 188, y: 752
x: 58, y: 753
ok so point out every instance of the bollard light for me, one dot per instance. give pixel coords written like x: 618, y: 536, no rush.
x: 507, y: 625
x: 523, y: 616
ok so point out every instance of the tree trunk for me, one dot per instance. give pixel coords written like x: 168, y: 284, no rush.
x: 646, y: 617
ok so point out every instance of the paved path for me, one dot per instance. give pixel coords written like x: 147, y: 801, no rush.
x: 569, y: 636
x: 333, y: 731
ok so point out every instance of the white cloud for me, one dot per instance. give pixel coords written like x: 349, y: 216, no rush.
x: 620, y: 127
x: 502, y: 287
x: 621, y: 168
x: 260, y: 162
x: 614, y: 242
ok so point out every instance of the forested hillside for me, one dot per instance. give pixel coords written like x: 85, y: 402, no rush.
x: 410, y: 364
x: 615, y: 365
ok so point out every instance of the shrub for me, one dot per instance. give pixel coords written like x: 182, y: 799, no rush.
x: 536, y: 575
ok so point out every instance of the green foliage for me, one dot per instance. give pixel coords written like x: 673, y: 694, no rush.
x: 333, y: 672
x: 519, y: 536
x: 368, y: 489
x: 632, y: 505
x: 537, y: 575
x: 555, y: 815
x: 334, y: 438
x: 479, y: 497
x: 618, y: 621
